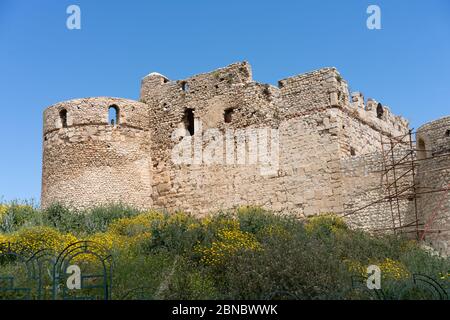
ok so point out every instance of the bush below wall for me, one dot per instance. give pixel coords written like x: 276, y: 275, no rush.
x: 249, y: 253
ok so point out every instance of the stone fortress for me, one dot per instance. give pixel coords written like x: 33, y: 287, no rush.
x: 329, y: 147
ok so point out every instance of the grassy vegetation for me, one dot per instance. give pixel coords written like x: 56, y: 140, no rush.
x: 249, y: 253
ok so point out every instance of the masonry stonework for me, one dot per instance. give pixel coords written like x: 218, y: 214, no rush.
x: 325, y: 142
x: 89, y: 161
x: 433, y: 141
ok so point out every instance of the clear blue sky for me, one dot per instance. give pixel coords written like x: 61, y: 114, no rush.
x: 406, y: 65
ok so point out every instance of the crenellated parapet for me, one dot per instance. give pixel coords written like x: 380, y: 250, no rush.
x: 377, y: 115
x: 324, y: 89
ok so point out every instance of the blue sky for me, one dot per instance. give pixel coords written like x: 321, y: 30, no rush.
x: 405, y: 65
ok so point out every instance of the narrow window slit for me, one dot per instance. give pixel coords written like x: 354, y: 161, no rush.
x: 113, y: 114
x: 185, y: 86
x: 188, y: 120
x: 228, y: 115
x: 63, y: 118
x: 380, y: 111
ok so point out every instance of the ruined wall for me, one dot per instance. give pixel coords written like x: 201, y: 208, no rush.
x: 358, y: 129
x: 309, y: 145
x: 433, y: 144
x: 320, y: 132
x: 296, y: 117
x: 366, y: 129
x: 87, y: 161
x: 367, y: 203
x: 294, y: 148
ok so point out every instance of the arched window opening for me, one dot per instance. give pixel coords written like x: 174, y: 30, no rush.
x: 113, y: 115
x: 228, y: 115
x: 421, y: 149
x: 352, y: 151
x: 185, y: 86
x: 447, y: 133
x: 63, y: 118
x: 380, y: 111
x: 188, y: 120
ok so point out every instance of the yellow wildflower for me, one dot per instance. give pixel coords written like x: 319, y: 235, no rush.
x: 332, y: 222
x: 3, y: 210
x: 229, y: 242
x: 393, y: 269
x: 38, y: 238
x: 276, y: 231
x: 356, y: 267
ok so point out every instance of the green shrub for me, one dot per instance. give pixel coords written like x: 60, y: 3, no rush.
x: 177, y: 234
x: 188, y: 282
x: 139, y: 276
x: 247, y: 254
x: 304, y: 267
x: 61, y: 218
x: 17, y: 214
x: 325, y: 224
x: 89, y: 221
x: 99, y: 218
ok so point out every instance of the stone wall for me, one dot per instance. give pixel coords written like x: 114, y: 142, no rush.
x: 219, y: 140
x: 294, y: 116
x: 316, y: 124
x: 364, y: 141
x: 88, y: 161
x: 433, y: 143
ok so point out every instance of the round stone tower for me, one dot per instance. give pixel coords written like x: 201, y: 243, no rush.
x: 433, y: 180
x: 96, y: 151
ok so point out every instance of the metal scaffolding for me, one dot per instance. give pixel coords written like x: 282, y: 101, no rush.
x: 399, y: 182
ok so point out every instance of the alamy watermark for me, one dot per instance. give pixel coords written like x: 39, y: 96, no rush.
x: 374, y: 20
x: 73, y: 21
x: 374, y: 277
x: 244, y: 147
x: 74, y: 280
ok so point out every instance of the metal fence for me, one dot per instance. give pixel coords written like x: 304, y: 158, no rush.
x: 81, y: 271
